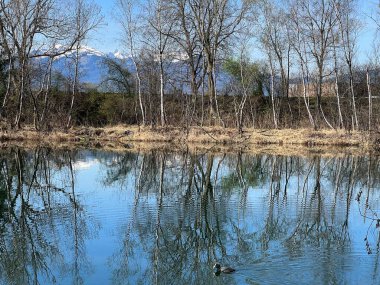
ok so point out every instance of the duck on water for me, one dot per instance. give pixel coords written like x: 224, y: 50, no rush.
x: 223, y: 269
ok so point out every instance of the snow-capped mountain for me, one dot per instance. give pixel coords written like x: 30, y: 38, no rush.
x: 92, y: 69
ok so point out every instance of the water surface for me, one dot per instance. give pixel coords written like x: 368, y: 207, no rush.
x: 96, y: 217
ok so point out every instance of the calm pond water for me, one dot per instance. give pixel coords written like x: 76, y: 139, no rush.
x: 96, y: 217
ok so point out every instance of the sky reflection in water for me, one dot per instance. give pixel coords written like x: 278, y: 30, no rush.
x: 95, y: 217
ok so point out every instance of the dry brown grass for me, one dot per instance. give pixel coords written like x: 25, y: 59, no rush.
x: 198, y: 139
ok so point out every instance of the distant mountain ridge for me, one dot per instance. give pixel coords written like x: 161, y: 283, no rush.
x: 92, y: 70
x: 91, y: 64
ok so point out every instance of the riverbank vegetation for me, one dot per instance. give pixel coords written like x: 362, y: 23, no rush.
x: 191, y: 66
x: 282, y: 142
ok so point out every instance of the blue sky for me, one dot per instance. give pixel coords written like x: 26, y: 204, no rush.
x: 107, y: 37
x: 367, y: 9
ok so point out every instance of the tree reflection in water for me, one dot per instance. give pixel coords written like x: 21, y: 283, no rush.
x: 40, y: 217
x: 200, y: 213
x: 274, y: 218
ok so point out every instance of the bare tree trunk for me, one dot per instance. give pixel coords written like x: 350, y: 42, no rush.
x: 129, y: 29
x: 272, y: 92
x: 348, y: 29
x: 162, y: 92
x: 5, y: 100
x: 139, y: 92
x: 337, y: 89
x: 369, y: 102
x: 44, y: 89
x: 245, y: 95
x: 162, y: 24
x: 287, y: 82
x: 319, y: 97
x: 216, y: 100
x: 305, y: 97
x: 75, y: 85
x: 211, y: 88
x: 300, y: 48
x: 305, y: 77
x: 35, y: 108
x: 338, y: 98
x: 47, y: 90
x: 21, y: 93
x: 353, y: 97
x: 203, y: 95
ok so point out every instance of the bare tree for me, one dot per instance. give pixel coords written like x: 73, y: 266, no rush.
x: 318, y: 20
x: 45, y: 75
x: 274, y: 36
x: 8, y: 86
x: 26, y: 28
x: 20, y: 23
x: 271, y: 39
x: 87, y: 18
x: 216, y: 21
x: 349, y: 27
x: 299, y: 46
x: 244, y: 78
x: 162, y: 21
x: 273, y: 95
x: 130, y: 29
x: 336, y: 87
x: 186, y: 37
x: 369, y: 102
x: 247, y: 79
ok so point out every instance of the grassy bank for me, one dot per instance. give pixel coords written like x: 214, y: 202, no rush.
x: 251, y: 138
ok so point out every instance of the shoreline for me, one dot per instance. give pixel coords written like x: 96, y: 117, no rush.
x: 214, y: 138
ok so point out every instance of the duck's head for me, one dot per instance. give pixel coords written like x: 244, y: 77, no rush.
x: 217, y: 266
